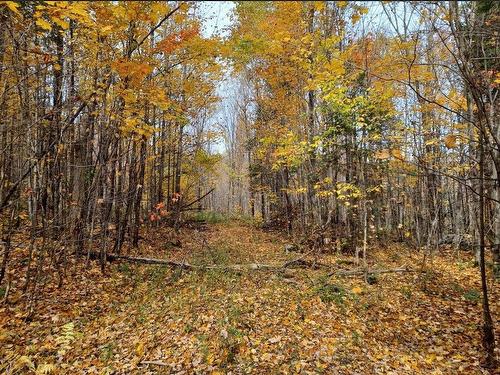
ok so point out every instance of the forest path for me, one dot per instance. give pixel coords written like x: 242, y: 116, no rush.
x: 153, y: 319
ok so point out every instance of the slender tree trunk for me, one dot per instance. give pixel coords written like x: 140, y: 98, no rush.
x: 488, y: 331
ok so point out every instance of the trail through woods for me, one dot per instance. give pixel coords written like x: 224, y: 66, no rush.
x: 249, y: 187
x: 149, y: 319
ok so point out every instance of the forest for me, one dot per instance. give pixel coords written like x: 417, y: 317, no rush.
x: 249, y: 187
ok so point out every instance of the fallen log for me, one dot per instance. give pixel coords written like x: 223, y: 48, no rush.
x: 188, y: 266
x: 112, y: 257
x: 254, y: 266
x: 374, y: 271
x: 301, y: 261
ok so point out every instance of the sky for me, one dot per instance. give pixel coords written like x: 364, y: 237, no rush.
x: 217, y: 20
x: 217, y: 14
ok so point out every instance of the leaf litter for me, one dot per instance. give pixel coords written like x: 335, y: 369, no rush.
x: 143, y: 319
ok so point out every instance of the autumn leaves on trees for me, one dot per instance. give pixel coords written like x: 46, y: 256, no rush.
x: 347, y: 124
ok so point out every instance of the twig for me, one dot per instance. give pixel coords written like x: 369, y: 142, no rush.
x: 197, y: 200
x: 167, y: 16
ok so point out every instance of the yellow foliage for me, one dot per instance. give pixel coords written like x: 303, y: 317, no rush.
x: 450, y: 141
x: 382, y: 154
x: 357, y: 290
x: 43, y: 24
x: 134, y: 71
x: 12, y: 5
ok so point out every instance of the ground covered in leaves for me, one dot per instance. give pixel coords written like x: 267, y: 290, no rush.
x: 147, y: 319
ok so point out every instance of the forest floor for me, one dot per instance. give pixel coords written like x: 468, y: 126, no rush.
x: 149, y: 319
